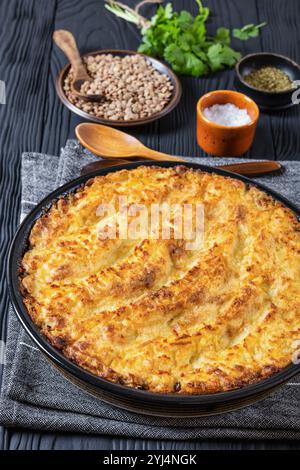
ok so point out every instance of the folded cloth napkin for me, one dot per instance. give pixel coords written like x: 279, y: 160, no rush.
x: 35, y: 395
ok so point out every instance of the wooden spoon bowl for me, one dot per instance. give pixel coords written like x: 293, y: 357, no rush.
x: 157, y: 64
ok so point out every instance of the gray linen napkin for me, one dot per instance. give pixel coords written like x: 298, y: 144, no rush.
x: 35, y: 395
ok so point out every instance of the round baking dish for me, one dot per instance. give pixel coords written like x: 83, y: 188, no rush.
x: 157, y: 64
x: 139, y: 401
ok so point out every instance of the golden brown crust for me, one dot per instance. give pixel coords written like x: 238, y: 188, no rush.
x: 151, y: 314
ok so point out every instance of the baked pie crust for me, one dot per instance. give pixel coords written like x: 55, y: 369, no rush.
x: 149, y: 313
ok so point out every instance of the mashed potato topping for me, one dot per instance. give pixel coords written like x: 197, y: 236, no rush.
x: 151, y: 314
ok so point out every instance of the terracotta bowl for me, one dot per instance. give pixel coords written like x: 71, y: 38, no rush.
x: 226, y: 141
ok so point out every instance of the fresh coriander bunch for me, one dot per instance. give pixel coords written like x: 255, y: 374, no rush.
x: 181, y: 38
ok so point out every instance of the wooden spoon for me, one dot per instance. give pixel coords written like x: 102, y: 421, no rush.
x: 107, y: 142
x: 66, y: 42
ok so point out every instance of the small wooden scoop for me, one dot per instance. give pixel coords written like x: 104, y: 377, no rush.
x: 66, y: 42
x: 116, y: 145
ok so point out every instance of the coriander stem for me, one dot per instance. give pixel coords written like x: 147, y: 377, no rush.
x: 141, y: 21
x: 144, y: 2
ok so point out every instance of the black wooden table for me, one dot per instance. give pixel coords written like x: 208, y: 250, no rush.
x: 33, y: 119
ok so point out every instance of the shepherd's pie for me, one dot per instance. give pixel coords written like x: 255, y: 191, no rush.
x: 150, y: 314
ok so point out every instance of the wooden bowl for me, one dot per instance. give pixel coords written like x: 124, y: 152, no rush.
x: 267, y: 100
x: 157, y: 64
x: 226, y: 141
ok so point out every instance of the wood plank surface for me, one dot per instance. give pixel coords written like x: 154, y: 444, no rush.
x: 34, y: 120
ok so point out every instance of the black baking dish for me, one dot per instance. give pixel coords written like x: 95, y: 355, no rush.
x: 140, y: 401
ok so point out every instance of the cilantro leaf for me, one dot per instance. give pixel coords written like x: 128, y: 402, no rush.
x: 186, y: 41
x: 174, y: 55
x: 229, y: 56
x: 168, y: 11
x: 199, y: 30
x: 194, y: 66
x: 185, y: 62
x: 214, y: 55
x: 248, y: 31
x: 223, y: 36
x: 185, y: 20
x: 198, y: 51
x: 220, y: 56
x: 162, y: 14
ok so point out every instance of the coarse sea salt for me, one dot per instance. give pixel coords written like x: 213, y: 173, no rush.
x: 227, y: 115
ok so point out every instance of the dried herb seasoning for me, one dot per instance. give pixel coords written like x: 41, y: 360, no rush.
x: 269, y: 79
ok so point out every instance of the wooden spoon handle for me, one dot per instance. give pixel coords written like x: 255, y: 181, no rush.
x: 246, y: 169
x: 252, y: 168
x: 95, y: 166
x: 154, y: 155
x: 66, y: 42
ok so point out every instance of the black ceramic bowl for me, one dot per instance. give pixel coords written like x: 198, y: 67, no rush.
x: 270, y: 101
x: 140, y: 401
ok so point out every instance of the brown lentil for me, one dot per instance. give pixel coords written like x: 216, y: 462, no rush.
x: 132, y: 87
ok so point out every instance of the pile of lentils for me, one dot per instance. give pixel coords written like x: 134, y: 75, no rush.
x: 131, y: 86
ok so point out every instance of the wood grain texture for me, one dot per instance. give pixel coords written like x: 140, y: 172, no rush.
x: 34, y: 119
x: 25, y: 74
